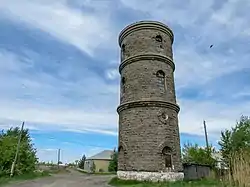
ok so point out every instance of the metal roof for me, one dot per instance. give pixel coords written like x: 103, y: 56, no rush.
x: 104, y: 155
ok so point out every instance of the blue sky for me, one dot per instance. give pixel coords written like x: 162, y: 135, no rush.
x: 59, y: 62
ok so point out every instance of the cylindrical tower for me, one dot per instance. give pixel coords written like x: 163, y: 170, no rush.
x: 149, y: 140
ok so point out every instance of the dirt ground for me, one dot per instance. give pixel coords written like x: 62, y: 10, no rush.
x: 72, y: 179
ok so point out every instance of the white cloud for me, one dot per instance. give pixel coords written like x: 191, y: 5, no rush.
x: 83, y: 30
x: 192, y: 66
x: 38, y: 99
x: 201, y: 23
x: 217, y: 116
x: 112, y: 74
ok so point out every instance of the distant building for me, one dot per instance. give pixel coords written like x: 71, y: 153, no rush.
x: 218, y: 157
x: 196, y: 171
x: 101, y: 161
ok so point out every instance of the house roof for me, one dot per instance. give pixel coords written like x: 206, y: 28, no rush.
x: 104, y: 155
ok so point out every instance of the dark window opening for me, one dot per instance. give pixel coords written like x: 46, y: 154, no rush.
x: 167, y: 153
x: 120, y: 149
x: 166, y: 150
x: 123, y: 80
x: 168, y: 161
x: 123, y: 47
x: 160, y: 74
x: 158, y: 38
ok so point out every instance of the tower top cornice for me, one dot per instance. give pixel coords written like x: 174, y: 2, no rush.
x: 145, y: 25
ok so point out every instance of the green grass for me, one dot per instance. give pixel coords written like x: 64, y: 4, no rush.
x: 5, y: 180
x: 203, y: 183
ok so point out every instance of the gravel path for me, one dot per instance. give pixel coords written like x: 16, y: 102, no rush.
x: 72, y: 179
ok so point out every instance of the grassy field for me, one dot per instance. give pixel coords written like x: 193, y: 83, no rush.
x: 5, y: 180
x: 204, y: 183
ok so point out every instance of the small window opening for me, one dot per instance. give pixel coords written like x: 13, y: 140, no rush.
x: 120, y: 149
x: 158, y: 38
x: 123, y: 80
x: 166, y: 150
x: 123, y: 47
x: 123, y: 84
x: 160, y: 74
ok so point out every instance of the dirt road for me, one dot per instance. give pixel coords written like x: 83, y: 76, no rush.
x: 72, y: 179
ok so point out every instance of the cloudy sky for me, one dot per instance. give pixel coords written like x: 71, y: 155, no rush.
x: 59, y: 62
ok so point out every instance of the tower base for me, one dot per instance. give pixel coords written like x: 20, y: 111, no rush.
x: 150, y: 176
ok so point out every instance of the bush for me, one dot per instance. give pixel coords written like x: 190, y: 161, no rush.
x: 26, y: 161
x: 114, y: 162
x: 81, y: 163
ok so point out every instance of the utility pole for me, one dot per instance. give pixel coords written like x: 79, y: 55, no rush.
x: 205, y: 130
x: 59, y: 152
x: 17, y: 150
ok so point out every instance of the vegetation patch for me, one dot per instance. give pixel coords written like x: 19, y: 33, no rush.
x: 28, y: 176
x: 132, y: 183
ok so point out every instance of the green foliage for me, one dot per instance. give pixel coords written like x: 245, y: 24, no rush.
x: 235, y: 139
x: 93, y: 167
x: 81, y: 163
x: 198, y: 155
x: 26, y: 160
x: 114, y: 162
x: 133, y: 183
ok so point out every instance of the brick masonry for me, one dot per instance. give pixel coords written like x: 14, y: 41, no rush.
x: 148, y: 113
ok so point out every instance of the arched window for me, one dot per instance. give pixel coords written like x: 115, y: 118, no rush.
x: 122, y: 51
x: 167, y: 154
x: 161, y: 82
x: 160, y: 74
x: 158, y: 38
x: 120, y: 148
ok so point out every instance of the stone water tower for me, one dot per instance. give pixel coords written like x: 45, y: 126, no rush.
x: 149, y: 141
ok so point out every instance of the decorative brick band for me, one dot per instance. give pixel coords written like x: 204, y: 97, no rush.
x: 150, y: 176
x: 137, y: 58
x: 163, y: 104
x: 152, y: 25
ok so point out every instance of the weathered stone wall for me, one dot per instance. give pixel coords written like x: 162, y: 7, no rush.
x: 148, y: 113
x: 144, y: 134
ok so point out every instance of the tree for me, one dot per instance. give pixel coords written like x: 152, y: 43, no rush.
x: 81, y: 163
x: 235, y: 139
x: 26, y: 160
x: 198, y: 155
x: 93, y: 167
x: 113, y: 162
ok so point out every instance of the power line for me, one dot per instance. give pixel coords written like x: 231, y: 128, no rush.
x: 17, y: 150
x: 206, y: 138
x: 58, y: 156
